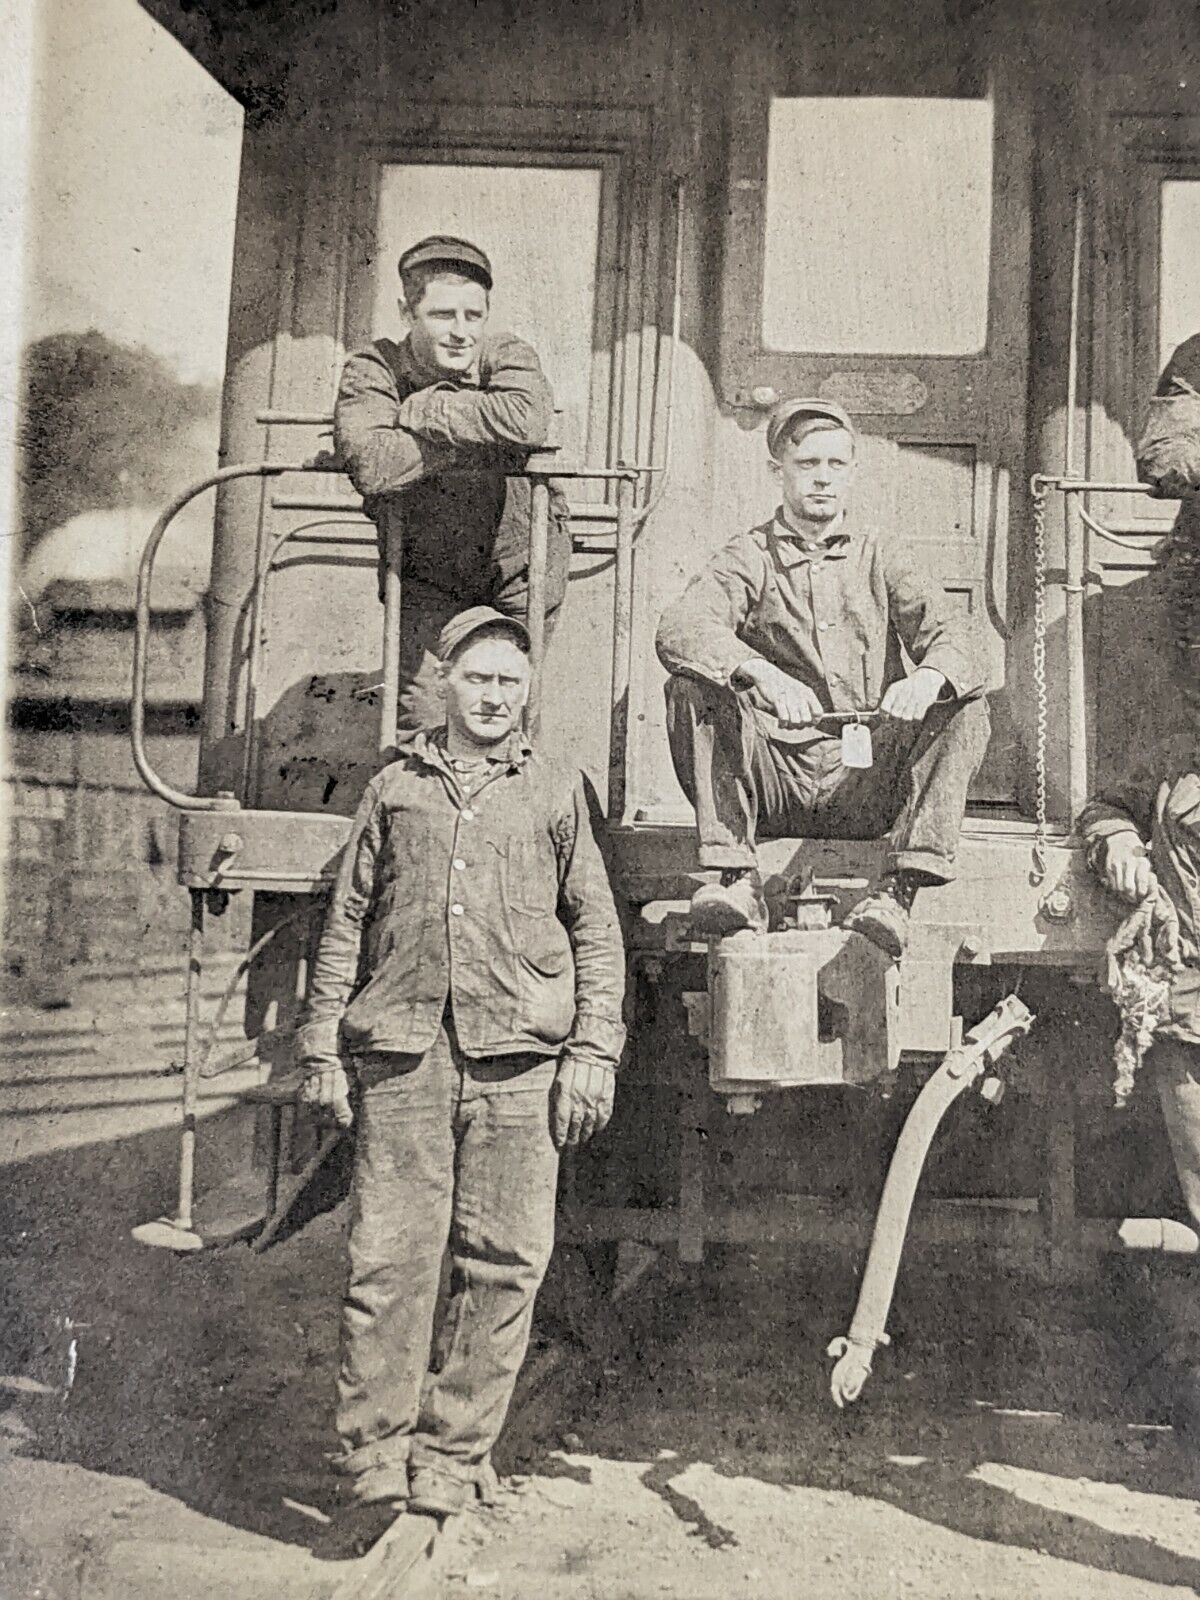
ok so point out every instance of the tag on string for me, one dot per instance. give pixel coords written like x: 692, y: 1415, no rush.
x: 856, y: 745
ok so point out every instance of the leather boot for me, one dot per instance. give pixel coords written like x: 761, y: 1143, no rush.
x: 733, y: 905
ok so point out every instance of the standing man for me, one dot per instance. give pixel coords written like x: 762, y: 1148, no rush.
x: 465, y: 1016
x: 1141, y: 829
x: 430, y: 430
x: 800, y: 618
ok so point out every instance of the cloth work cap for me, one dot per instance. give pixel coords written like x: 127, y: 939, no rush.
x: 447, y: 251
x: 461, y: 626
x: 786, y: 412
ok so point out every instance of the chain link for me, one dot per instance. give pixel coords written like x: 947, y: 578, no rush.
x: 1038, y: 875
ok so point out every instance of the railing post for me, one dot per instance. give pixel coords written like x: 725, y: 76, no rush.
x: 621, y: 648
x: 389, y: 709
x: 1077, y: 739
x: 191, y: 1065
x: 535, y: 611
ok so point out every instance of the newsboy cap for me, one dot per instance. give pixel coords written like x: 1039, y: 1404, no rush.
x: 447, y: 251
x: 461, y: 626
x: 786, y: 412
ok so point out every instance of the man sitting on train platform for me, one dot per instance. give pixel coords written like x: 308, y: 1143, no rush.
x: 430, y: 430
x: 464, y: 1015
x: 801, y: 617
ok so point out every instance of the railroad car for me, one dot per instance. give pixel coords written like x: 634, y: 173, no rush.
x: 973, y: 225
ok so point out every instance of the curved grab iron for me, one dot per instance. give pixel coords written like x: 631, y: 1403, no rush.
x: 179, y: 798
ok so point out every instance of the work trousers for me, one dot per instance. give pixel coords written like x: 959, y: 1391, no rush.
x: 746, y: 786
x: 1172, y: 1294
x: 1176, y: 1067
x: 450, y: 1152
x: 424, y: 612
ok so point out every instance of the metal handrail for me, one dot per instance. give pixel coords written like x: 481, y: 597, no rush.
x: 629, y: 518
x: 625, y: 477
x: 178, y: 798
x: 1071, y: 487
x: 1072, y: 585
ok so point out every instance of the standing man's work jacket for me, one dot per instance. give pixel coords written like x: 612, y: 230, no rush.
x: 494, y: 901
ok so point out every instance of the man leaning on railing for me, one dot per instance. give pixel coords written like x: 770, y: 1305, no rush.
x: 430, y: 430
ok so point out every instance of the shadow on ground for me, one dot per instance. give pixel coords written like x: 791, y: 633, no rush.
x: 209, y: 1378
x: 728, y: 1373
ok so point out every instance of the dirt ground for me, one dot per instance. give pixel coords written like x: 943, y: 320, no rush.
x: 164, y: 1420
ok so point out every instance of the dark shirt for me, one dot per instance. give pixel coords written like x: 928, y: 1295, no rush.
x: 833, y: 615
x: 406, y: 436
x: 492, y: 898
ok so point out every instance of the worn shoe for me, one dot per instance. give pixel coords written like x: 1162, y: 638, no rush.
x: 731, y: 906
x: 438, y: 1494
x: 883, y: 915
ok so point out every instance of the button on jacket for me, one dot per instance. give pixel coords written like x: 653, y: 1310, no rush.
x: 833, y: 615
x: 492, y: 898
x: 405, y: 435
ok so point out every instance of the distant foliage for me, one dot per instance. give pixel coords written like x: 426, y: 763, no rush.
x: 104, y: 425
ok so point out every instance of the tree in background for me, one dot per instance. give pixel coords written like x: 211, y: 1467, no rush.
x: 103, y: 425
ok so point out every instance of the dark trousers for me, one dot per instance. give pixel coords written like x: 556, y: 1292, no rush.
x: 449, y: 1153
x: 1176, y: 1066
x: 746, y: 786
x: 1172, y: 1296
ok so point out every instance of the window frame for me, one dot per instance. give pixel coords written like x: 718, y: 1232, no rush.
x: 1149, y: 147
x: 618, y: 423
x: 853, y: 352
x: 746, y: 365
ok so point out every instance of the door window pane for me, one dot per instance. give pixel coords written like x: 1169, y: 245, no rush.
x: 1179, y: 283
x: 539, y: 227
x: 878, y: 226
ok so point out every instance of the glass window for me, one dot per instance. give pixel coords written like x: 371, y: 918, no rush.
x: 1179, y: 281
x: 878, y: 226
x: 539, y: 227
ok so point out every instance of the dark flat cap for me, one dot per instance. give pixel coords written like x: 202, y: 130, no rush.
x: 461, y: 626
x: 786, y: 412
x: 447, y: 251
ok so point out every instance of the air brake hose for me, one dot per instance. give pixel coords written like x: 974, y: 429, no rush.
x: 959, y: 1070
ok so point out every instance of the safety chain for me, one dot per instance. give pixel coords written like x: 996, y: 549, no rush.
x: 1038, y: 876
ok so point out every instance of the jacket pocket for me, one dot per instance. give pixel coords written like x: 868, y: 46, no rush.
x: 532, y: 876
x: 545, y: 976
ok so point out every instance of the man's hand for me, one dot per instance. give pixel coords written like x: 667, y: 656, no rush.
x: 1151, y: 932
x: 908, y: 699
x: 1124, y: 867
x: 792, y: 703
x: 581, y: 1101
x: 327, y: 1089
